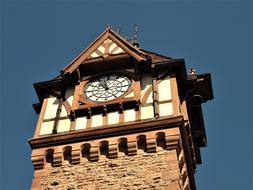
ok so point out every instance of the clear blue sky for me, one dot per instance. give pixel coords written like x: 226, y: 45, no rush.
x: 39, y: 37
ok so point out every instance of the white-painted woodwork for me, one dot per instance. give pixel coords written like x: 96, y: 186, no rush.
x: 94, y: 54
x: 46, y: 128
x: 130, y: 95
x: 63, y: 111
x: 119, y: 50
x: 112, y: 47
x: 164, y: 89
x: 129, y: 115
x: 147, y: 112
x: 166, y: 109
x: 113, y: 118
x: 101, y: 49
x: 146, y: 83
x: 63, y: 125
x: 51, y: 108
x: 96, y: 120
x: 150, y: 98
x: 69, y: 95
x: 81, y: 123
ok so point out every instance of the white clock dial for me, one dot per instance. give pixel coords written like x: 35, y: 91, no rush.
x: 107, y: 87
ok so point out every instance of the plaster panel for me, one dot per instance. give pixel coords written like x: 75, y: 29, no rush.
x: 113, y: 118
x: 130, y: 95
x: 147, y: 112
x: 112, y: 47
x: 119, y: 50
x: 63, y: 111
x: 47, y: 128
x: 94, y: 54
x: 150, y: 98
x: 101, y: 49
x: 81, y: 123
x: 97, y: 120
x: 166, y: 109
x: 69, y: 95
x: 146, y: 83
x: 63, y: 125
x: 51, y: 108
x: 164, y: 89
x: 129, y: 115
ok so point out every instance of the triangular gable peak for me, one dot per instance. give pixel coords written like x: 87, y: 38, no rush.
x: 107, y: 44
x: 107, y: 48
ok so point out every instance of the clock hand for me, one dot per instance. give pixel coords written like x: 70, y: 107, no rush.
x: 104, y: 84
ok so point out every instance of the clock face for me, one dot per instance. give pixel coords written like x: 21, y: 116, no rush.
x: 107, y: 87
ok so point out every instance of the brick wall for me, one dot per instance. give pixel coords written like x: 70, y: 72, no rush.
x: 142, y: 171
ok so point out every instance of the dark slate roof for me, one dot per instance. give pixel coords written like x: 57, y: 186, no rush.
x: 157, y: 57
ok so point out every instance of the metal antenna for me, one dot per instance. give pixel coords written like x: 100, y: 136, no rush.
x: 135, y: 38
x: 135, y: 33
x: 108, y: 26
x: 118, y: 30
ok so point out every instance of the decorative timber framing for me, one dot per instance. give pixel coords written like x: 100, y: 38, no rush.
x: 105, y: 131
x: 180, y: 130
x: 83, y: 102
x: 114, y: 37
x: 41, y: 117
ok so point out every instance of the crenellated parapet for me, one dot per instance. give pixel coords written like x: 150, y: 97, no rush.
x: 109, y: 148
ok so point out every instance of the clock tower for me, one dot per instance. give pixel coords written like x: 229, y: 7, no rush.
x: 119, y: 117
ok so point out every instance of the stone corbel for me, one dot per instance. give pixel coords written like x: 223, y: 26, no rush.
x: 151, y: 145
x: 113, y: 151
x: 171, y: 142
x: 94, y: 154
x: 38, y: 162
x: 132, y: 148
x: 75, y: 156
x: 57, y: 159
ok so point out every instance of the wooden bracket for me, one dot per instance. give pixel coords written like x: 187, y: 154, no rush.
x: 88, y: 113
x: 38, y: 162
x: 78, y: 74
x: 72, y: 115
x: 104, y: 110
x: 120, y: 108
x: 137, y: 108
